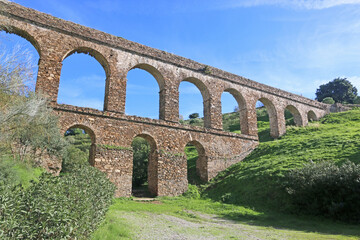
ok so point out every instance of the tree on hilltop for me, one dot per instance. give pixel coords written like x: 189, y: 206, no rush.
x: 340, y: 89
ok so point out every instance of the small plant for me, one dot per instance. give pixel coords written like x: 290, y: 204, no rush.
x: 192, y: 192
x: 207, y: 70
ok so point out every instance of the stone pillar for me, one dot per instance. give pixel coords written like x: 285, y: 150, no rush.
x: 244, y: 120
x: 202, y: 167
x: 115, y: 92
x: 118, y: 165
x: 172, y: 173
x: 251, y: 120
x: 48, y: 79
x: 277, y: 124
x: 169, y: 103
x: 212, y: 113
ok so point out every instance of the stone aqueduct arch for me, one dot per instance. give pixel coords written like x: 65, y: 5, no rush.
x: 112, y: 131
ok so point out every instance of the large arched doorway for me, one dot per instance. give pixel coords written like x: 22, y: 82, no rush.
x: 312, y: 116
x: 145, y: 169
x: 194, y: 108
x: 144, y: 95
x: 292, y: 116
x: 83, y: 79
x: 235, y: 121
x: 196, y: 163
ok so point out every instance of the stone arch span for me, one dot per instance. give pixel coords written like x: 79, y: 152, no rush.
x: 311, y: 115
x: 153, y: 170
x: 296, y: 114
x: 205, y: 93
x: 24, y: 34
x: 99, y: 57
x: 159, y: 77
x: 93, y: 53
x: 273, y: 117
x: 243, y: 109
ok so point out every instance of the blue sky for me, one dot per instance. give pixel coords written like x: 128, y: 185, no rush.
x: 293, y: 45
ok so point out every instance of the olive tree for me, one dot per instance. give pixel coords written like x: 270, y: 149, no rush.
x: 27, y: 124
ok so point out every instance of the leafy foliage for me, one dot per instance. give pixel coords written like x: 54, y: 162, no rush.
x: 340, y: 89
x: 192, y: 192
x: 326, y: 189
x: 193, y: 115
x: 66, y: 207
x: 78, y: 149
x: 141, y: 150
x: 27, y: 126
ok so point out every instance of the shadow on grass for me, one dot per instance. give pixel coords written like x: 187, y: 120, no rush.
x: 302, y: 223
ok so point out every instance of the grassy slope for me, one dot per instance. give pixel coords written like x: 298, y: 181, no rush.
x: 256, y: 181
x: 251, y: 189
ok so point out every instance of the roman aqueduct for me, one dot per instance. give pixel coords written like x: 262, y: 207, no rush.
x: 112, y: 132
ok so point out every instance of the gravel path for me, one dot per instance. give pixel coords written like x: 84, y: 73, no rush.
x: 150, y: 226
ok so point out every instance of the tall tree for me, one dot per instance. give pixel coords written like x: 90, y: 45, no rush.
x: 340, y: 89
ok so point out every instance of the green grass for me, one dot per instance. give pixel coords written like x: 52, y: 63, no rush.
x: 294, y: 227
x: 256, y: 181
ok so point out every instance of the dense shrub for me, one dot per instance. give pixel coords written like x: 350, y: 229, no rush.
x: 70, y: 206
x: 326, y: 189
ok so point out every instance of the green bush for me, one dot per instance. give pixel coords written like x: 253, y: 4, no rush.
x: 328, y: 100
x: 192, y: 192
x: 70, y: 206
x: 326, y: 189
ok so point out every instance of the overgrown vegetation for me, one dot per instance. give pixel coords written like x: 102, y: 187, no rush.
x: 66, y: 207
x: 35, y: 204
x: 326, y: 189
x: 258, y: 180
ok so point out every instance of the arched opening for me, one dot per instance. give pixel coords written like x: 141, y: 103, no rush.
x: 81, y: 148
x: 194, y: 107
x: 144, y: 92
x: 83, y: 79
x: 19, y: 57
x: 144, y: 180
x: 292, y: 116
x: 266, y: 119
x: 196, y: 163
x: 234, y: 114
x: 312, y: 116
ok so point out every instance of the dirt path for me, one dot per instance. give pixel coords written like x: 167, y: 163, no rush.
x: 201, y: 227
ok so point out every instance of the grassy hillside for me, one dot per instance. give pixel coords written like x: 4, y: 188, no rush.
x: 257, y: 181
